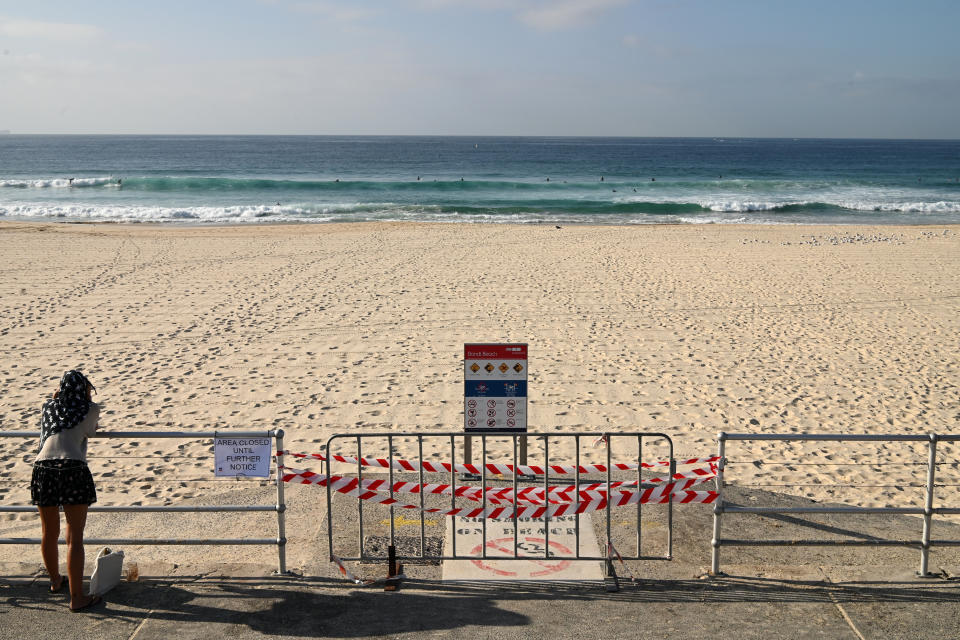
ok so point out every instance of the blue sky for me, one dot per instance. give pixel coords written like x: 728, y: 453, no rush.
x: 770, y: 68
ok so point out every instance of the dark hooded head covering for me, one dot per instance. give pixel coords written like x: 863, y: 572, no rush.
x: 68, y: 409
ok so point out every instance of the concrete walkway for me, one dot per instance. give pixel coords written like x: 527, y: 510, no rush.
x: 270, y: 607
x: 767, y: 592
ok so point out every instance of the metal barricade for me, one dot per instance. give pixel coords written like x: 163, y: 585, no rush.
x: 506, y: 445
x: 925, y: 542
x: 279, y: 541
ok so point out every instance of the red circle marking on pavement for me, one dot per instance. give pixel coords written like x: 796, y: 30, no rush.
x: 506, y: 546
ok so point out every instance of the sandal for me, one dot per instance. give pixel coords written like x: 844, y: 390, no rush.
x: 63, y: 581
x: 92, y: 601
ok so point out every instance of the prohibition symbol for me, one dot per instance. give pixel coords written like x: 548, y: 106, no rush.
x: 536, y: 568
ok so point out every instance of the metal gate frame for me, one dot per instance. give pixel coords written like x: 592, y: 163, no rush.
x: 453, y: 436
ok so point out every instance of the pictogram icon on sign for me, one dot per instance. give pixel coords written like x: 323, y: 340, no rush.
x: 471, y: 403
x: 511, y: 403
x: 518, y: 367
x: 471, y: 422
x: 491, y: 413
x: 511, y: 412
x: 474, y: 367
x: 491, y: 422
x: 511, y: 422
x: 503, y: 367
x: 491, y: 403
x: 528, y: 547
x: 472, y: 413
x: 489, y: 368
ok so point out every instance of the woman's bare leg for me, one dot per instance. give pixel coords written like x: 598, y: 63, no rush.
x: 49, y: 541
x: 76, y: 521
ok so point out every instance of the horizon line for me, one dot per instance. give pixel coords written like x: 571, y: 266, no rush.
x: 7, y: 132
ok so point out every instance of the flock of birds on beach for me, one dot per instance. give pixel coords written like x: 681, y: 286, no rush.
x: 856, y: 238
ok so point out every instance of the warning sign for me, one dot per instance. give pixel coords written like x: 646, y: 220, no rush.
x: 495, y: 387
x: 242, y: 457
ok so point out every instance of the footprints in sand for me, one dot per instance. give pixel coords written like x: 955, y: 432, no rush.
x: 335, y: 330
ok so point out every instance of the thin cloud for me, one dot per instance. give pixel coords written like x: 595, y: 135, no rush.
x: 339, y: 12
x: 545, y: 15
x: 13, y: 28
x: 567, y: 14
x: 489, y: 5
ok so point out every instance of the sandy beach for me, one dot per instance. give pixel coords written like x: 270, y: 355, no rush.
x: 324, y: 329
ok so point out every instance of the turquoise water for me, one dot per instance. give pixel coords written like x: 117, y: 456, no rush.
x: 263, y: 179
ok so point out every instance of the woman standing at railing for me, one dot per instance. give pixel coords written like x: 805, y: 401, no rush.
x: 61, y: 478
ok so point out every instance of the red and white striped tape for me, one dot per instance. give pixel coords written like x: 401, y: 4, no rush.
x: 661, y: 494
x: 501, y: 495
x: 494, y: 468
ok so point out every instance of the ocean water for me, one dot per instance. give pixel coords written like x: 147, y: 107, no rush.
x: 266, y: 179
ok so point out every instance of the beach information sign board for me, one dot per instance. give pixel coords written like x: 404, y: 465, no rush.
x: 495, y: 387
x: 242, y: 457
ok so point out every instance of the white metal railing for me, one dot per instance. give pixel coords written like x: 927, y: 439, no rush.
x: 280, y: 507
x: 927, y: 510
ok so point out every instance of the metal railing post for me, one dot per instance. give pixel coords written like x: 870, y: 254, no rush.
x: 516, y: 501
x: 576, y: 529
x: 718, y: 506
x: 673, y: 472
x: 609, y: 498
x: 546, y: 496
x: 639, y: 488
x: 329, y: 501
x: 423, y: 529
x: 928, y: 508
x: 453, y: 491
x: 359, y: 500
x: 281, y: 508
x: 483, y: 490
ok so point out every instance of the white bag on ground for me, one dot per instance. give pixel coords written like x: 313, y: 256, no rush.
x: 107, y: 573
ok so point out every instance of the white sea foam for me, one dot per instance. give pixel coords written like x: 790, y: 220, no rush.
x: 711, y: 220
x: 142, y: 213
x: 942, y: 206
x: 721, y: 211
x: 239, y: 213
x: 57, y: 183
x: 736, y: 206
